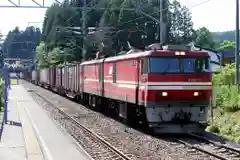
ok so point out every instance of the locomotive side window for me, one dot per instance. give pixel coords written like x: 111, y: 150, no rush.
x: 144, y: 66
x: 114, y: 73
x: 192, y: 65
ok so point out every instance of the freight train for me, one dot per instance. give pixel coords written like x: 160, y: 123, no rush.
x: 168, y: 89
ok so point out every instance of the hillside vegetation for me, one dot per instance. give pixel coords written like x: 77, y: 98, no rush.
x: 226, y: 121
x: 221, y: 36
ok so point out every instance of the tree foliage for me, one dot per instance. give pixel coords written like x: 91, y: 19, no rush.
x: 21, y: 44
x: 204, y: 38
x: 226, y: 45
x: 221, y: 36
x: 114, y: 26
x: 1, y: 35
x: 41, y: 56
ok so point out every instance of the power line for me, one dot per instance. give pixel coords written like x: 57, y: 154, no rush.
x: 193, y: 6
x: 196, y: 5
x: 77, y: 14
x: 130, y: 9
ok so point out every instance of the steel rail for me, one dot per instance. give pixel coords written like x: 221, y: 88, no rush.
x: 215, y: 143
x: 91, y: 133
x: 205, y: 150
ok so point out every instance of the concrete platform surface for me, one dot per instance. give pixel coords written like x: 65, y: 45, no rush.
x: 34, y: 136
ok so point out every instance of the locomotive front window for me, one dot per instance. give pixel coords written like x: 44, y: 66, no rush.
x: 164, y: 65
x: 192, y: 65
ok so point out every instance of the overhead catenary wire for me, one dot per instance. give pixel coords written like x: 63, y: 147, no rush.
x: 196, y: 5
x: 193, y: 6
x: 83, y: 8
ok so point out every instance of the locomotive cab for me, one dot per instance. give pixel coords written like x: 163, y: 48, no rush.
x: 175, y: 85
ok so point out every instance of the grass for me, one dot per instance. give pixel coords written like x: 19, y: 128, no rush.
x: 226, y: 121
x: 226, y: 124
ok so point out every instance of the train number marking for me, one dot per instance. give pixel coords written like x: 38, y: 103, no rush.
x: 194, y: 80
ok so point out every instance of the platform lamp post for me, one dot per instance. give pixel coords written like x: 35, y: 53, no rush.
x: 237, y: 43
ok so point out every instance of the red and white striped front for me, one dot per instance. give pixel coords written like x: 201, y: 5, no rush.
x: 176, y: 88
x: 153, y: 91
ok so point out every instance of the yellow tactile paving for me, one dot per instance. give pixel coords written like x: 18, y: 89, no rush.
x: 32, y: 146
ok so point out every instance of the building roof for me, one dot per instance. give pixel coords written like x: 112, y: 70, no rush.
x: 209, y: 49
x: 214, y: 55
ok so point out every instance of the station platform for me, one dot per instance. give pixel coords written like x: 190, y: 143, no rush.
x: 31, y: 134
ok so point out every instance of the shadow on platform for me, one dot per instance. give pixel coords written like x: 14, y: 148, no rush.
x: 13, y: 123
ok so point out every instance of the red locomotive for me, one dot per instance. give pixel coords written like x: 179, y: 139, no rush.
x: 168, y: 89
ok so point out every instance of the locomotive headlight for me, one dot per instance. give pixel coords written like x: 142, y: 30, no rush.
x: 177, y: 53
x: 164, y: 94
x: 182, y: 53
x: 196, y: 94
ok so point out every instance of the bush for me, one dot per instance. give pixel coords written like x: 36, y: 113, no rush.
x: 225, y: 77
x: 213, y: 128
x: 227, y: 93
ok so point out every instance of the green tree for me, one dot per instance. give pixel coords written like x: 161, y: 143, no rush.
x: 54, y: 57
x: 204, y: 38
x: 114, y: 27
x: 41, y: 56
x: 181, y: 31
x: 1, y: 35
x: 21, y: 44
x: 226, y: 45
x: 186, y: 26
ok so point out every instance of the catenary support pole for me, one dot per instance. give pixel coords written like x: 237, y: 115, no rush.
x: 237, y: 43
x: 84, y: 29
x: 160, y: 23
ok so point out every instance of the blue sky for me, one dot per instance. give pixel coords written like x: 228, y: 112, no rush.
x: 217, y: 15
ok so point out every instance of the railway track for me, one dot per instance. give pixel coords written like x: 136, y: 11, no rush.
x: 210, y: 147
x: 96, y: 146
x: 134, y: 144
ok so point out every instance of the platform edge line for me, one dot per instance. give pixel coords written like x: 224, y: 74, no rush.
x: 79, y: 147
x: 21, y: 112
x: 43, y: 146
x: 75, y: 141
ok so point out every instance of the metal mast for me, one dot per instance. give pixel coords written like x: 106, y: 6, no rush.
x: 237, y: 43
x: 161, y: 20
x: 162, y: 24
x: 84, y: 29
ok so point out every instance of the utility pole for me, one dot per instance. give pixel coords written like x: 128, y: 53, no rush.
x: 65, y: 56
x: 237, y: 43
x: 161, y: 20
x: 162, y: 23
x: 84, y: 29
